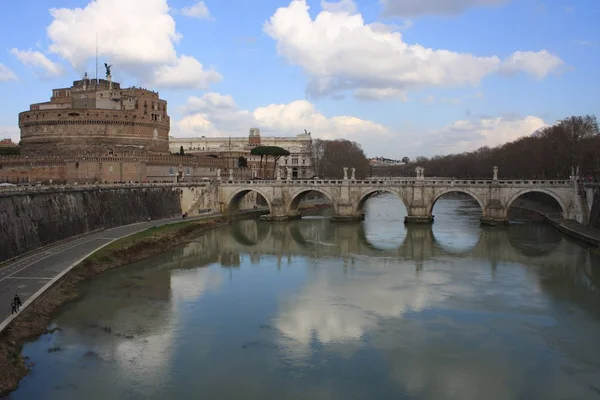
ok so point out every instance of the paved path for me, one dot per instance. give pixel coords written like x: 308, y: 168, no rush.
x: 593, y: 235
x: 29, y: 274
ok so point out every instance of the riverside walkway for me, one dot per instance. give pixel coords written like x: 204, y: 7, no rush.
x: 567, y: 226
x: 29, y: 276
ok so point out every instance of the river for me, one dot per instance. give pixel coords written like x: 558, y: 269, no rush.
x: 312, y: 310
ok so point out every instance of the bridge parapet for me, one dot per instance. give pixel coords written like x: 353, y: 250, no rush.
x: 400, y: 182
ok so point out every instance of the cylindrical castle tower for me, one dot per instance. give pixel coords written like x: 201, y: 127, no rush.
x: 96, y: 117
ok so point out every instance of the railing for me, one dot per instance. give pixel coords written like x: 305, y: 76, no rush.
x: 295, y: 182
x: 399, y: 182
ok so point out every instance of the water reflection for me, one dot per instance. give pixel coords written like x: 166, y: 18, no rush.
x: 310, y: 309
x: 519, y: 243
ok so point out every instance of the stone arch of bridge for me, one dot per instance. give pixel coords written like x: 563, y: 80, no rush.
x: 557, y: 198
x: 233, y: 202
x: 443, y: 192
x: 366, y: 195
x: 298, y: 195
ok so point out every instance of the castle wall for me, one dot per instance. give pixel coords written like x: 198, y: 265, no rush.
x: 80, y: 131
x: 17, y: 169
x: 106, y: 169
x: 32, y: 220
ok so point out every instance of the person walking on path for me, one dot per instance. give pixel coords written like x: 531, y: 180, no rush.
x: 13, y: 307
x: 17, y: 302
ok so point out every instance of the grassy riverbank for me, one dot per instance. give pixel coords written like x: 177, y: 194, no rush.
x: 34, y: 320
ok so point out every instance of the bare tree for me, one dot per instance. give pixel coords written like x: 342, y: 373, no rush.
x: 334, y: 155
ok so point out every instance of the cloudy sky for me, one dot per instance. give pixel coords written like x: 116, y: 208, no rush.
x: 402, y: 77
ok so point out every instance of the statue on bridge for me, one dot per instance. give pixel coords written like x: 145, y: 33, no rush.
x: 218, y: 174
x: 495, y: 173
x: 231, y: 174
x: 345, y: 173
x: 278, y: 174
x: 420, y: 173
x: 288, y: 173
x: 353, y: 177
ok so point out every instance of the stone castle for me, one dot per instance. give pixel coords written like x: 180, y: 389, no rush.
x: 95, y: 131
x: 96, y: 117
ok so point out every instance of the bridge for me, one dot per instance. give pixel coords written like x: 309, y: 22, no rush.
x: 418, y: 194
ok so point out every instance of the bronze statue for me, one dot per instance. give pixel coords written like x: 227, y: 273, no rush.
x: 107, y: 69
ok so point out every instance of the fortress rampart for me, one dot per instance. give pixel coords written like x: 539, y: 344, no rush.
x: 75, y: 131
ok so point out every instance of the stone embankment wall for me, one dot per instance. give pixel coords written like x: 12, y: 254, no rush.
x: 32, y: 220
x: 595, y: 210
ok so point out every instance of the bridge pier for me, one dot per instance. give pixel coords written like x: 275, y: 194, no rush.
x: 279, y: 212
x: 419, y: 209
x: 418, y: 219
x: 346, y: 212
x: 491, y: 221
x: 347, y: 218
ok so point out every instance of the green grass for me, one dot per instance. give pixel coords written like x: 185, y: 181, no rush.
x: 150, y: 233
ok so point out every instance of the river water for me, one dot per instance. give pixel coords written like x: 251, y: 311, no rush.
x: 314, y: 310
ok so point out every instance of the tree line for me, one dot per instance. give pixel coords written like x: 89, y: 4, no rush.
x: 548, y: 153
x: 329, y: 157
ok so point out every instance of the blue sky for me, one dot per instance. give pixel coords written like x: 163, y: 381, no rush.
x: 401, y: 77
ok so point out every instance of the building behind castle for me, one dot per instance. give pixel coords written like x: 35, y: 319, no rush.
x: 298, y: 163
x: 96, y: 131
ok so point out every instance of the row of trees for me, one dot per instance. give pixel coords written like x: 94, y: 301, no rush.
x: 329, y: 157
x: 549, y: 153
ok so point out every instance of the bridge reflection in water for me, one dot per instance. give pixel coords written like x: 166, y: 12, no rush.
x: 383, y: 235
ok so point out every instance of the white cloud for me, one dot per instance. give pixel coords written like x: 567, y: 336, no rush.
x: 187, y: 72
x: 10, y: 132
x: 198, y: 10
x: 468, y: 135
x: 443, y: 7
x: 215, y: 115
x: 340, y: 52
x: 138, y: 39
x: 538, y: 64
x: 340, y: 6
x: 35, y: 59
x: 6, y: 74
